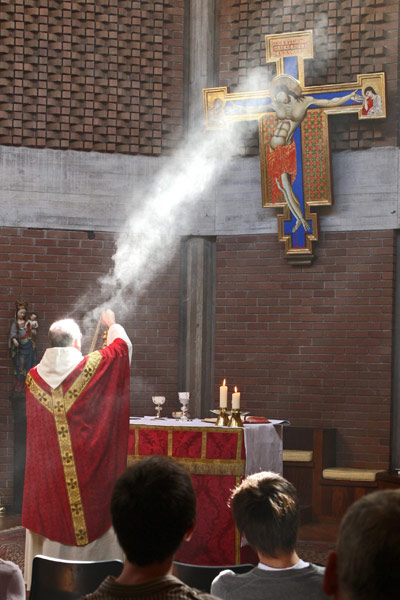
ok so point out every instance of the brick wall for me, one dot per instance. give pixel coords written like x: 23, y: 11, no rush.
x: 108, y: 76
x: 51, y: 270
x: 87, y: 75
x: 311, y: 345
x: 350, y: 37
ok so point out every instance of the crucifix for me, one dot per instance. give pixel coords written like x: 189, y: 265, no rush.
x: 294, y: 134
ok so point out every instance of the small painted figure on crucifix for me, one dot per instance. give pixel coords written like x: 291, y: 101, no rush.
x: 22, y: 343
x: 291, y: 108
x: 372, y: 104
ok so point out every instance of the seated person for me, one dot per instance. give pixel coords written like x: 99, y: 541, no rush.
x: 266, y: 513
x: 366, y: 564
x: 12, y: 585
x: 153, y: 509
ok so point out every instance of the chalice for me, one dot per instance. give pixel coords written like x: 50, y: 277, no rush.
x: 158, y: 401
x: 184, y: 400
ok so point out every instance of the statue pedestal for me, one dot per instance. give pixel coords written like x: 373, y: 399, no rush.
x: 17, y: 400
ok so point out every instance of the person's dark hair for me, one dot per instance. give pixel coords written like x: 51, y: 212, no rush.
x: 63, y: 333
x: 368, y: 548
x: 370, y: 89
x: 265, y: 510
x: 153, y: 505
x: 282, y: 87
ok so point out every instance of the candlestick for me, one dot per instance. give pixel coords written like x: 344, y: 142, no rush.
x: 223, y: 419
x: 223, y: 395
x: 236, y: 399
x: 235, y: 418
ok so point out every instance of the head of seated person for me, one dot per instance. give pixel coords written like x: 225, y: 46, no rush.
x: 266, y: 512
x: 366, y: 563
x: 153, y: 509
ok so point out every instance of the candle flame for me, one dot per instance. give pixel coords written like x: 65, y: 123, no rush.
x: 235, y: 389
x: 224, y: 382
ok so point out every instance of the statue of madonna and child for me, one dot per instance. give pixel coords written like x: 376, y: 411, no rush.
x: 22, y: 343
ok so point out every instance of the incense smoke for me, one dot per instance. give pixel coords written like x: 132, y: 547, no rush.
x: 166, y: 209
x: 151, y: 234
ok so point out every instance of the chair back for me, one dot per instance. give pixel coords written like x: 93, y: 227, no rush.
x: 55, y: 579
x: 201, y: 577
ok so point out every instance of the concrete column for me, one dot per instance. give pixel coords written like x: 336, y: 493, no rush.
x: 197, y: 323
x: 197, y: 296
x: 395, y: 419
x: 201, y: 56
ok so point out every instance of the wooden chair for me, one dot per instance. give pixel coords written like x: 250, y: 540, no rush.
x: 54, y: 579
x: 306, y: 452
x: 201, y: 577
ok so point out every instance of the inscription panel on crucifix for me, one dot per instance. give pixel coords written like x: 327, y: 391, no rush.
x: 294, y: 134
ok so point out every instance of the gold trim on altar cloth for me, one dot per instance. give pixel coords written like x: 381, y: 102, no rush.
x: 203, y: 444
x: 205, y: 466
x: 59, y: 404
x: 197, y: 465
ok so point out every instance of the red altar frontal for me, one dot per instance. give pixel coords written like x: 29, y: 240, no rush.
x: 216, y: 459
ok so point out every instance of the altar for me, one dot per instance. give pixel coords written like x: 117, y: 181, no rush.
x: 217, y: 458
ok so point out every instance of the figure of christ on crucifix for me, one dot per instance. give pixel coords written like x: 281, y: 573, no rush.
x: 294, y: 134
x: 291, y: 108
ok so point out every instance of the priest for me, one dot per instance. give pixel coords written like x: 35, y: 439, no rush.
x: 77, y: 440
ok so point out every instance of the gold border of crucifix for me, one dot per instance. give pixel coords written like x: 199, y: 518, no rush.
x: 315, y: 104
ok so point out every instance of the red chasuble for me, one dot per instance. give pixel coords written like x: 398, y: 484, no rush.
x: 77, y: 442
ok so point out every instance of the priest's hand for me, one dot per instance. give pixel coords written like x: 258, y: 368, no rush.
x: 108, y: 317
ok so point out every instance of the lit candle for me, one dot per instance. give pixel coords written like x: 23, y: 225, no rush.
x: 223, y: 395
x: 235, y: 399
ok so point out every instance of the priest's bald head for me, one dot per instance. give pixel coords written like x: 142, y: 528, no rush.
x: 65, y: 333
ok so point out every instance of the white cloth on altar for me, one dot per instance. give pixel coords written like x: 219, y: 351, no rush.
x: 168, y: 422
x: 263, y: 448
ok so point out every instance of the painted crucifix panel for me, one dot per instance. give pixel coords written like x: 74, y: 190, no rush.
x: 294, y: 134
